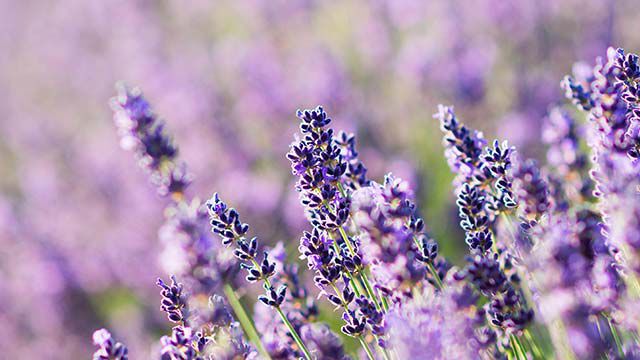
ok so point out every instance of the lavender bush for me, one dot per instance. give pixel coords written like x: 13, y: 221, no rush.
x: 552, y: 267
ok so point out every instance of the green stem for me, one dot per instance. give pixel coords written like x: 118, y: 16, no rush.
x: 533, y: 344
x: 365, y: 279
x: 616, y: 338
x: 292, y: 330
x: 366, y: 348
x: 294, y: 333
x: 245, y: 321
x: 369, y: 289
x: 356, y: 287
x: 346, y: 308
x: 517, y: 347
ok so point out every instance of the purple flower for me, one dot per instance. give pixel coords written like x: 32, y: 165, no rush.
x: 173, y: 301
x: 442, y: 325
x: 318, y: 162
x: 108, y: 348
x: 183, y: 344
x: 191, y: 250
x: 485, y: 192
x: 141, y: 131
x: 463, y: 146
x: 323, y: 343
x: 392, y: 236
x: 531, y: 189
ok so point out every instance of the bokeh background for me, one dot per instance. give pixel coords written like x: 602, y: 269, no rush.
x: 79, y: 220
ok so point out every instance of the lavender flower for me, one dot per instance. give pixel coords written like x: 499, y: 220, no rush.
x: 393, y: 237
x: 199, y: 334
x: 226, y: 223
x: 142, y: 132
x: 463, y: 146
x: 192, y: 252
x: 173, y: 301
x: 486, y: 191
x: 319, y: 164
x: 356, y: 173
x: 322, y: 342
x: 183, y: 344
x: 108, y: 348
x: 447, y: 326
x: 568, y: 178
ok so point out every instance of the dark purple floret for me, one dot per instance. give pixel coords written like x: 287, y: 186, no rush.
x: 173, y: 301
x: 356, y: 174
x: 354, y: 324
x: 183, y: 344
x: 274, y: 298
x: 373, y: 317
x: 225, y: 221
x: 579, y: 95
x: 108, y: 348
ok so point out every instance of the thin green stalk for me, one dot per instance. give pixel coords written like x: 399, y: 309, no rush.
x: 533, y: 344
x: 366, y: 348
x: 346, y: 308
x: 356, y: 287
x: 363, y: 276
x: 292, y: 330
x: 294, y: 333
x: 369, y: 289
x: 561, y: 340
x: 245, y: 321
x: 616, y: 338
x: 517, y: 347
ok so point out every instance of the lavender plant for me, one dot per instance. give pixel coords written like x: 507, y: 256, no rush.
x: 552, y: 270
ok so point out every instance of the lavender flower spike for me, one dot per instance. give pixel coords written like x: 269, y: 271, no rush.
x: 109, y: 349
x: 225, y: 222
x: 142, y: 132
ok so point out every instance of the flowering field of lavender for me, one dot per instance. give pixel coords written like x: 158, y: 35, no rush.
x: 209, y: 218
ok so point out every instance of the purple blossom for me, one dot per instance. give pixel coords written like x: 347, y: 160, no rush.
x: 183, y: 344
x: 142, y: 132
x: 108, y: 348
x: 173, y: 301
x: 323, y: 343
x: 440, y: 324
x: 319, y: 164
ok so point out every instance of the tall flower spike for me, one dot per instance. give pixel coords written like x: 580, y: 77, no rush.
x: 318, y: 162
x: 484, y: 192
x: 108, y: 348
x: 356, y: 173
x: 142, y: 132
x: 225, y: 222
x: 321, y: 161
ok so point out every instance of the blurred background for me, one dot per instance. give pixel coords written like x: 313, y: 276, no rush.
x: 79, y: 220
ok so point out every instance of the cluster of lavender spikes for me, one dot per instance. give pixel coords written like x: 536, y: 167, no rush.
x: 539, y: 242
